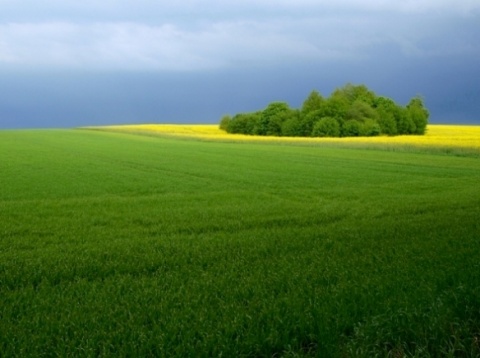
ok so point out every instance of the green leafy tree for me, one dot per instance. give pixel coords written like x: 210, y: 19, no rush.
x: 243, y: 123
x: 370, y: 128
x: 309, y: 121
x: 361, y: 111
x: 386, y: 122
x: 351, y: 128
x: 326, y: 127
x: 419, y: 114
x: 275, y: 113
x: 351, y: 110
x: 352, y: 93
x: 387, y: 112
x: 292, y: 126
x: 276, y: 122
x: 335, y: 107
x: 405, y: 123
x: 225, y: 121
x: 387, y: 108
x: 313, y: 102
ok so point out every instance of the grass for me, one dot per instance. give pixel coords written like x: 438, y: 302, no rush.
x: 113, y: 244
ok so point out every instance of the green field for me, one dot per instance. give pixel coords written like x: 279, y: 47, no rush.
x: 122, y: 245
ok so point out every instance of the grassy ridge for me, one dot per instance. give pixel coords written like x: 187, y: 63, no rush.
x: 121, y: 245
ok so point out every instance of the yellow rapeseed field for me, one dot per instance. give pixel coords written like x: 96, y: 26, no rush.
x: 448, y: 137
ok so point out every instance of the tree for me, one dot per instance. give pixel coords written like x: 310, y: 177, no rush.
x: 243, y: 123
x: 274, y: 113
x: 225, y: 121
x: 361, y: 111
x: 387, y: 111
x: 326, y: 127
x: 405, y: 123
x: 351, y: 110
x: 351, y: 128
x: 276, y: 122
x: 370, y: 128
x: 336, y: 107
x: 351, y: 93
x: 308, y: 122
x: 313, y: 102
x: 387, y: 123
x: 419, y: 114
x: 292, y: 126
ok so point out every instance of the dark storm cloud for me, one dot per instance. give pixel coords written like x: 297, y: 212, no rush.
x: 69, y: 63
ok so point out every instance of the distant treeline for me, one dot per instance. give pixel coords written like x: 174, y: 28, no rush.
x: 349, y: 111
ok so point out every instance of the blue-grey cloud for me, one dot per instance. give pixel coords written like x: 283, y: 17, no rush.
x: 261, y: 32
x: 65, y: 63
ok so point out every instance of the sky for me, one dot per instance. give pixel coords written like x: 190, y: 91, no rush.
x: 69, y: 63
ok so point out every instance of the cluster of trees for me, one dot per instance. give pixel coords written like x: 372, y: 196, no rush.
x: 349, y: 111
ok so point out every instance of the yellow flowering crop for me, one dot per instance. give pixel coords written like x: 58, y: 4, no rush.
x: 437, y: 136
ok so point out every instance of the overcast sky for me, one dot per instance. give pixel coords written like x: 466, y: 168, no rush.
x: 70, y: 63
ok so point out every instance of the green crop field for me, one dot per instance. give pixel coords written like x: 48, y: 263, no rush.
x: 116, y: 244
